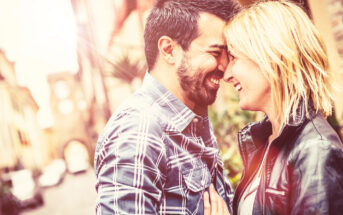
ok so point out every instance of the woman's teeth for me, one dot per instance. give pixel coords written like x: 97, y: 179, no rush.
x: 238, y: 87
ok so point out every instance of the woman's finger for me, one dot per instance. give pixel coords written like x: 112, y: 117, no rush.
x: 214, y: 204
x: 214, y: 200
x: 225, y: 209
x: 207, y: 206
x: 220, y: 204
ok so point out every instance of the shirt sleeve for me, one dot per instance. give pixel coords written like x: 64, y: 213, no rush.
x: 129, y: 166
x: 317, y: 179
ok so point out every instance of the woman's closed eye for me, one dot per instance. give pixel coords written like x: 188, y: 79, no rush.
x: 231, y: 56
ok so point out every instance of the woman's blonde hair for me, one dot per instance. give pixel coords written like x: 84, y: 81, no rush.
x: 281, y: 39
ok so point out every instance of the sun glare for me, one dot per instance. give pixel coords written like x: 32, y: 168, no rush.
x: 40, y: 37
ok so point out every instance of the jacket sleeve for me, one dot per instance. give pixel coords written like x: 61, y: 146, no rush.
x: 317, y: 179
x: 129, y: 165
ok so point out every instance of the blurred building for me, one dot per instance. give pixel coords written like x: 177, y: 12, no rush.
x: 335, y: 13
x: 98, y: 26
x: 21, y: 140
x: 79, y: 102
x: 90, y: 74
x: 328, y: 18
x: 71, y: 113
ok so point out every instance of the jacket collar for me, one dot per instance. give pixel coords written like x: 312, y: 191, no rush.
x: 255, y: 135
x: 300, y: 116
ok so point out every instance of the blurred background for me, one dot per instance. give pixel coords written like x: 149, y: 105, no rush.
x: 65, y: 65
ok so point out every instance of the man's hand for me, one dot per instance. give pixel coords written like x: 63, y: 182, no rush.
x: 214, y: 204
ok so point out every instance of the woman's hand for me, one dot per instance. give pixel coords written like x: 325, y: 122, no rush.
x: 214, y: 204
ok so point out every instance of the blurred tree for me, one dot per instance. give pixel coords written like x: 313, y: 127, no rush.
x: 226, y: 124
x: 126, y: 70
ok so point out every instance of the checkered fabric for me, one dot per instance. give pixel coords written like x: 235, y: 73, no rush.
x: 155, y: 156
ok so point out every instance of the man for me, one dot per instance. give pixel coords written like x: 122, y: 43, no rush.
x: 158, y: 153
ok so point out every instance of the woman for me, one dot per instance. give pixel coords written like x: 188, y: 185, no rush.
x: 293, y: 159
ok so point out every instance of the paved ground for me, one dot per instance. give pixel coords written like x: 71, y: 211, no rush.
x: 74, y: 196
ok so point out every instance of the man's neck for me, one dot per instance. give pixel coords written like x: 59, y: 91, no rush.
x: 170, y: 81
x: 167, y: 76
x: 200, y: 110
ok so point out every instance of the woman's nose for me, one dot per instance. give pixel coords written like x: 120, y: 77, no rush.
x: 228, y: 73
x: 223, y: 62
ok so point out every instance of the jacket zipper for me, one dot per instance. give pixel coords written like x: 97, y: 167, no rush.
x: 251, y: 178
x: 265, y: 177
x: 277, y: 192
x: 244, y: 161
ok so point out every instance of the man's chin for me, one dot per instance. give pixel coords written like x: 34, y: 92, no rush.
x: 207, y: 101
x: 203, y: 99
x: 210, y: 102
x: 211, y: 97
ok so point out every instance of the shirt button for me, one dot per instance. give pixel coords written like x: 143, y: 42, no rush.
x: 195, y: 120
x: 203, y: 182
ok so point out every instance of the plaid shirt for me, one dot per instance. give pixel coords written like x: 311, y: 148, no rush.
x: 155, y: 156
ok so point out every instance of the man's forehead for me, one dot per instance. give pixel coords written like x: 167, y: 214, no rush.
x: 210, y: 41
x: 206, y: 42
x: 210, y: 31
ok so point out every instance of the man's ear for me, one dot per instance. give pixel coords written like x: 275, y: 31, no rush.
x: 166, y: 47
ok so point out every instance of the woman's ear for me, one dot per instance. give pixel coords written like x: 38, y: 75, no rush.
x: 166, y: 47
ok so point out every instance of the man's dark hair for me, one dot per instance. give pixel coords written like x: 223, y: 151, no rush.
x: 178, y: 19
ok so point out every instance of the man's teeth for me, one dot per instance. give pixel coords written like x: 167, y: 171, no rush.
x: 238, y: 87
x: 214, y: 80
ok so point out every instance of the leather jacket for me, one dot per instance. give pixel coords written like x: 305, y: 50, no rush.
x: 303, y: 170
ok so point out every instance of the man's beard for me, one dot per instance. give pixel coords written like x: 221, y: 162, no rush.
x: 194, y: 86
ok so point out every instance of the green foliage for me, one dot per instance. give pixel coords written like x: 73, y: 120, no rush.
x: 126, y: 70
x: 226, y: 124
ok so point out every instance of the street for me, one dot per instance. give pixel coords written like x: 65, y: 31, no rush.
x: 76, y: 195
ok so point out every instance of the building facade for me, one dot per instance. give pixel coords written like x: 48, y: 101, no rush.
x: 21, y: 140
x: 71, y: 113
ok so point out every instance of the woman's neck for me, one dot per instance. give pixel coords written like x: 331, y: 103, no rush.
x: 276, y: 124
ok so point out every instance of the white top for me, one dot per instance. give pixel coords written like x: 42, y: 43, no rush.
x: 246, y: 203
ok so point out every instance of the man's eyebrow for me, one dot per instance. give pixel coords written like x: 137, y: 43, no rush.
x: 219, y: 46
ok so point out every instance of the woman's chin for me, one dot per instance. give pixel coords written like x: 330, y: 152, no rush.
x: 243, y: 106
x: 246, y: 107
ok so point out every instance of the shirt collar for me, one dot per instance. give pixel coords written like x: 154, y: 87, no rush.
x: 178, y: 113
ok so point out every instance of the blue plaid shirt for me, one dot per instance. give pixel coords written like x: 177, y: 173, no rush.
x: 155, y: 156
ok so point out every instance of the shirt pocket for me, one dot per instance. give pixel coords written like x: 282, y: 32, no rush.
x: 197, y: 179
